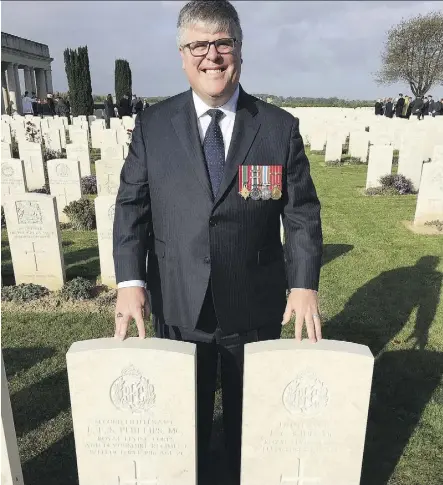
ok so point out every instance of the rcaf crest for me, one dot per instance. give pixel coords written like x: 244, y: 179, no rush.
x: 132, y: 392
x: 306, y: 395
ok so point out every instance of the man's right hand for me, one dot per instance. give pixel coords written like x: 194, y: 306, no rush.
x: 132, y: 303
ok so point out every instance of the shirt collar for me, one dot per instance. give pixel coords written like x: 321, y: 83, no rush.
x: 229, y: 108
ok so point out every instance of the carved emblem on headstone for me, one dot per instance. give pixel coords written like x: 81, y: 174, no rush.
x: 306, y: 395
x: 62, y: 170
x: 132, y: 392
x: 7, y: 170
x: 111, y: 212
x: 28, y: 212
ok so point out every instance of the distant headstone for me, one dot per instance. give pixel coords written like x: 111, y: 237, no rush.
x: 11, y: 470
x: 13, y: 177
x: 305, y: 409
x: 97, y: 130
x: 115, y: 123
x: 53, y: 140
x: 380, y: 164
x: 134, y: 433
x: 6, y: 133
x: 318, y: 140
x: 358, y: 145
x: 31, y: 154
x: 109, y: 138
x: 410, y: 161
x: 112, y: 152
x: 334, y: 148
x: 35, y: 240
x: 108, y: 176
x: 78, y: 136
x: 104, y: 214
x: 128, y: 122
x: 430, y: 195
x: 6, y: 150
x: 64, y: 183
x: 80, y: 153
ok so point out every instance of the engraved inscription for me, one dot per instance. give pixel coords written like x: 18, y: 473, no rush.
x: 111, y: 213
x: 306, y: 395
x: 300, y: 479
x: 132, y: 392
x: 28, y: 212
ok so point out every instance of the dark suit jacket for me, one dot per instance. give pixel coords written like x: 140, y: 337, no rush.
x: 165, y: 208
x: 399, y: 107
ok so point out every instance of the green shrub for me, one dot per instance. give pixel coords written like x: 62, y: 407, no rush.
x: 437, y: 223
x: 398, y: 182
x: 334, y: 163
x: 81, y: 214
x: 381, y: 191
x: 23, y: 292
x: 89, y: 185
x: 77, y: 289
x: 3, y: 219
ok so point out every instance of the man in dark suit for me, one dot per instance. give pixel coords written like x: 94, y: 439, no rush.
x: 208, y: 175
x: 399, y: 106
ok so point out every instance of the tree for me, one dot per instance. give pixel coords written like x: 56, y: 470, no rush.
x: 413, y: 53
x: 123, y: 79
x: 79, y: 81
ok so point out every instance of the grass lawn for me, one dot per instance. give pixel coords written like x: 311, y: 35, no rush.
x: 380, y: 286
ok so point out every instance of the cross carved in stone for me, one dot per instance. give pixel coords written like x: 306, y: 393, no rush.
x: 34, y: 252
x: 136, y: 480
x: 300, y: 479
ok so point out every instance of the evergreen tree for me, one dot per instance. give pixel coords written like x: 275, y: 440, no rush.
x: 123, y: 79
x: 79, y: 81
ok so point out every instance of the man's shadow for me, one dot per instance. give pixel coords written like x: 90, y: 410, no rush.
x: 405, y: 380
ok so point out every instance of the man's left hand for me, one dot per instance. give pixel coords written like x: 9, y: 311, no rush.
x: 304, y: 303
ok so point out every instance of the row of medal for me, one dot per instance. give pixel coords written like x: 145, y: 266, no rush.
x: 260, y: 182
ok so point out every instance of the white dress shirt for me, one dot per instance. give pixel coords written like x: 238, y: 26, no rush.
x: 203, y: 119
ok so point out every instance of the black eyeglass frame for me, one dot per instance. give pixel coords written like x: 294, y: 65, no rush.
x: 214, y: 43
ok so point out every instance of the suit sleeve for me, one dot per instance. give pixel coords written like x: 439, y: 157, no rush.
x: 301, y: 218
x: 132, y: 222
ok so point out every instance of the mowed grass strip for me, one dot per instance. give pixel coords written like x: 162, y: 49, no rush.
x: 381, y: 286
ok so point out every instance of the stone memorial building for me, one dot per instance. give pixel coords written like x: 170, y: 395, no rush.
x: 34, y: 59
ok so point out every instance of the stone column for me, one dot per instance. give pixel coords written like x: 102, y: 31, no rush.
x: 28, y: 82
x: 11, y: 86
x: 18, y: 95
x: 33, y: 86
x: 5, y: 95
x: 41, y: 83
x: 48, y: 75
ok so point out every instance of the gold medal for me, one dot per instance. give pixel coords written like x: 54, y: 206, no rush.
x: 244, y: 192
x: 276, y: 193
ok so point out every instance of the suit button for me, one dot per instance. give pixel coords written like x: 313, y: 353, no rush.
x: 207, y: 260
x: 212, y: 221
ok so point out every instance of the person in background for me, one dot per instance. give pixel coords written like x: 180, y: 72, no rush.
x: 406, y: 106
x: 51, y: 104
x: 410, y: 108
x: 34, y: 104
x: 399, y: 106
x: 438, y: 108
x: 124, y: 107
x: 389, y: 109
x: 378, y: 107
x: 60, y: 107
x: 418, y: 106
x: 431, y: 105
x: 109, y: 110
x: 425, y: 109
x: 27, y: 104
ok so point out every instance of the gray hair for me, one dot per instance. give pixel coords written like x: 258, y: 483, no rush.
x: 217, y: 15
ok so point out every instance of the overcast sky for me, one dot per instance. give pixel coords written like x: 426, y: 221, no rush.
x: 290, y: 48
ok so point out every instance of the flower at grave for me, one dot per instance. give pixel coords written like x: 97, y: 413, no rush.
x: 31, y: 133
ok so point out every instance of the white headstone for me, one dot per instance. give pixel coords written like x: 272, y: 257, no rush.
x: 53, y: 140
x: 128, y: 122
x: 358, y: 145
x: 104, y: 214
x: 380, y: 164
x: 108, y: 176
x: 64, y: 183
x: 334, y: 148
x: 115, y: 123
x: 128, y: 427
x: 80, y: 153
x: 112, y: 152
x: 430, y: 195
x: 109, y: 138
x: 11, y: 470
x: 31, y: 154
x: 6, y: 150
x: 437, y: 154
x: 410, y: 161
x: 6, y: 133
x: 35, y: 240
x: 78, y: 136
x: 305, y: 409
x: 13, y: 177
x: 318, y: 140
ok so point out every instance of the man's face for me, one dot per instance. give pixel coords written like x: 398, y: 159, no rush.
x: 214, y: 77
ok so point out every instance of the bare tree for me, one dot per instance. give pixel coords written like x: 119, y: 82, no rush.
x: 413, y: 53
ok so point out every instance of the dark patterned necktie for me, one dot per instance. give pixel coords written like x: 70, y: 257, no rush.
x: 214, y: 150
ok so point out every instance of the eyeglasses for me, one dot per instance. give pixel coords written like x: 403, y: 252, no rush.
x: 200, y: 48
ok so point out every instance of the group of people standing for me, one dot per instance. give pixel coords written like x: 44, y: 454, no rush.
x: 47, y: 107
x: 125, y: 107
x: 404, y: 107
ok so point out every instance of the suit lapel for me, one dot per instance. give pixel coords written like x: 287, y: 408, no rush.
x: 245, y: 129
x: 185, y: 126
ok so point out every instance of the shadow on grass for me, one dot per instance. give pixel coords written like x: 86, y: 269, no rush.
x: 40, y: 402
x: 23, y: 358
x: 333, y: 251
x: 403, y: 380
x: 55, y: 466
x: 84, y: 262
